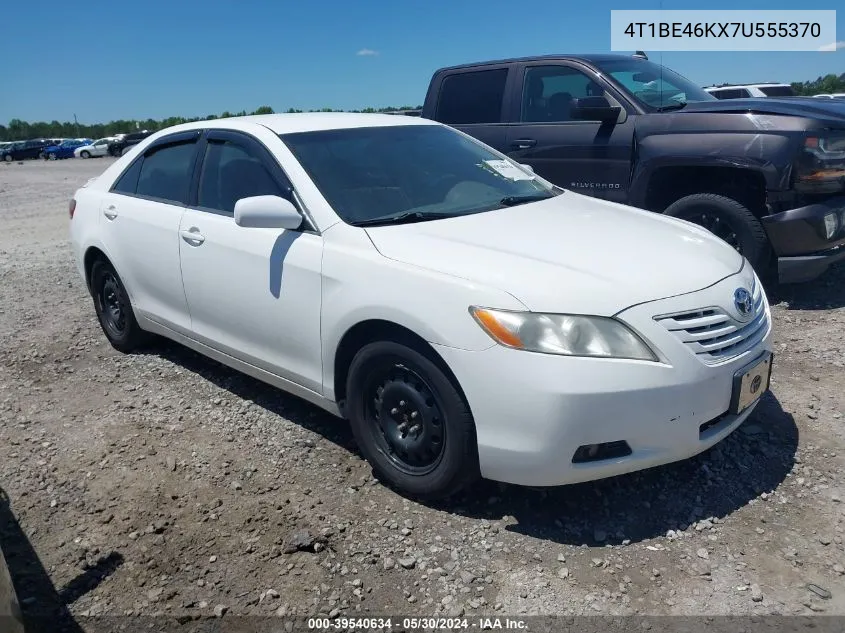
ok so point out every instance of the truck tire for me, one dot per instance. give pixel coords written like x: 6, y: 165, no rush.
x: 729, y: 220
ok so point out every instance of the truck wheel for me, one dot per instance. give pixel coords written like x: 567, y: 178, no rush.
x: 410, y: 421
x: 729, y: 220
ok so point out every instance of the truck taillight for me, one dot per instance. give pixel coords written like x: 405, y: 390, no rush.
x: 71, y: 207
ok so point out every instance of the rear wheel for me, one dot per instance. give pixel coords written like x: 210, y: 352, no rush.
x: 410, y: 421
x: 52, y: 156
x: 8, y: 158
x: 730, y: 221
x: 85, y: 154
x: 114, y: 310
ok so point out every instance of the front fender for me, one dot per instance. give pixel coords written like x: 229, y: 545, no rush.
x: 359, y: 284
x: 767, y: 154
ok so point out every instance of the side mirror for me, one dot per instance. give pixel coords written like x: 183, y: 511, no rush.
x: 527, y: 167
x: 594, y: 109
x: 267, y: 212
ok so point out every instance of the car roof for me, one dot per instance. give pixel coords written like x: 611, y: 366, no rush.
x: 589, y: 58
x: 303, y: 122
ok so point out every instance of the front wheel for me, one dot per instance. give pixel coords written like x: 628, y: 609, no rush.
x: 114, y: 310
x: 8, y: 158
x: 729, y: 220
x: 85, y: 154
x: 52, y: 156
x: 410, y: 421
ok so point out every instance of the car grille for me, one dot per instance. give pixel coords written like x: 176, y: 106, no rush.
x: 714, y: 336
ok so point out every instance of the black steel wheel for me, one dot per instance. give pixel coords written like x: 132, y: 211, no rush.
x: 114, y: 309
x: 410, y: 420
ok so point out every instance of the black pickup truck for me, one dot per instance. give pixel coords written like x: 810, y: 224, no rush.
x: 766, y: 175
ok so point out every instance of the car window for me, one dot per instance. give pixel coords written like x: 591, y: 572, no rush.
x: 651, y: 84
x: 128, y: 182
x: 472, y: 97
x: 368, y: 173
x: 231, y: 172
x: 166, y: 172
x: 548, y: 91
x: 777, y: 91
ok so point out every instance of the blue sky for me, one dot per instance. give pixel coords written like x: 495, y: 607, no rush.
x: 106, y: 59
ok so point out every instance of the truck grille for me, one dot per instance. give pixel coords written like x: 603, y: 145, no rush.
x: 714, y: 336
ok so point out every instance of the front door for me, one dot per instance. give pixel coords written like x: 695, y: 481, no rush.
x: 254, y: 294
x: 588, y: 157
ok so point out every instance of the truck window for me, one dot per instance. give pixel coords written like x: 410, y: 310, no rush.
x: 472, y: 97
x: 548, y: 91
x: 777, y: 91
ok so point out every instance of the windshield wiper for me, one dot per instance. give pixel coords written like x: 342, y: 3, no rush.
x: 672, y: 106
x: 512, y: 201
x: 401, y: 218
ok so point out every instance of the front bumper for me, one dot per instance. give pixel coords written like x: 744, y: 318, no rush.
x: 533, y: 411
x: 799, y: 241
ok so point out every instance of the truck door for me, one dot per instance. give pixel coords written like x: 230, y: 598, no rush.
x: 588, y: 157
x: 473, y: 101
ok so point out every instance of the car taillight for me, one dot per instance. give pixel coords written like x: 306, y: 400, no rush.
x: 71, y: 207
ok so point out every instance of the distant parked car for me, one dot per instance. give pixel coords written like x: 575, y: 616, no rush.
x: 23, y: 150
x: 98, y: 148
x: 746, y: 91
x: 65, y: 149
x: 122, y: 145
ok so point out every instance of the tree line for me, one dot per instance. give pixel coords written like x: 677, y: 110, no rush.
x: 18, y: 130
x: 823, y: 85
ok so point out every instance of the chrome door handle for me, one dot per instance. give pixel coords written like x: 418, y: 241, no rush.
x: 192, y: 236
x: 110, y: 212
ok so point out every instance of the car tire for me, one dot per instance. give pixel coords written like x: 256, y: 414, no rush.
x: 730, y: 220
x: 85, y: 154
x: 8, y: 158
x: 114, y: 309
x: 52, y: 156
x: 391, y: 386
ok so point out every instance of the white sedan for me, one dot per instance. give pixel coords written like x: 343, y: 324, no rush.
x: 466, y: 316
x: 98, y: 148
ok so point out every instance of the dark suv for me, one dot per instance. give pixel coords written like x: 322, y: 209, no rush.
x: 122, y: 144
x: 23, y: 150
x: 767, y: 175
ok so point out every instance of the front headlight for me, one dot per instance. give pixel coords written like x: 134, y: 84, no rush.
x: 565, y: 334
x: 821, y: 164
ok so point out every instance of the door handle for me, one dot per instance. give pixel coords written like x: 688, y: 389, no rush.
x: 524, y: 143
x: 110, y: 212
x: 193, y: 236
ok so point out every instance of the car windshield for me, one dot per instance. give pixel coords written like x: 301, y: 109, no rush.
x: 373, y: 175
x: 653, y: 85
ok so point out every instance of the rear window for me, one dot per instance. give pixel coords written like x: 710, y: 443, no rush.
x: 777, y: 91
x: 166, y: 172
x: 472, y: 97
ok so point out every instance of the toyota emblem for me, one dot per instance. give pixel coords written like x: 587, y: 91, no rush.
x: 744, y: 302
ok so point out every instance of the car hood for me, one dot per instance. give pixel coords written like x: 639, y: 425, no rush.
x: 827, y: 109
x: 571, y: 253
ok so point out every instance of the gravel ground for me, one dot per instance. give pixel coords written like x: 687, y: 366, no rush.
x: 164, y: 483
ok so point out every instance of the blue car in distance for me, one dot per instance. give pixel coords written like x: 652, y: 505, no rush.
x: 64, y: 149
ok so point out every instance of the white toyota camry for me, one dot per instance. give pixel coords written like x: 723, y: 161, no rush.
x: 466, y: 316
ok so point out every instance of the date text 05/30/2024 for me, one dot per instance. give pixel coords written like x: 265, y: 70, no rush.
x: 415, y: 623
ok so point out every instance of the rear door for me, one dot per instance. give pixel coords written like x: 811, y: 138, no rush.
x: 590, y: 157
x: 473, y: 101
x: 139, y: 220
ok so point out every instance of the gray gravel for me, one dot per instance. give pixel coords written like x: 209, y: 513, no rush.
x: 171, y: 484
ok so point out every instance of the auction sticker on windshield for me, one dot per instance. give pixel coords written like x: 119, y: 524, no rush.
x: 508, y: 170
